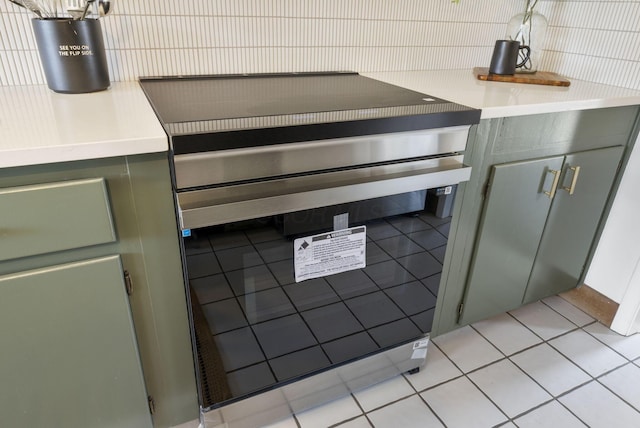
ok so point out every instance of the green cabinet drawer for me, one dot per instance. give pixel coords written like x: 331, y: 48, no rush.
x: 50, y: 217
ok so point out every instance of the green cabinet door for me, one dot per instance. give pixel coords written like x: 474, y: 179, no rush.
x: 68, y: 353
x: 511, y: 227
x: 573, y: 220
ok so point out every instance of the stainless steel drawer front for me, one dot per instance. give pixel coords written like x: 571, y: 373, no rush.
x: 221, y: 205
x: 227, y: 166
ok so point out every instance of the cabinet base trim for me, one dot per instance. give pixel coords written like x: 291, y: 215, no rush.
x: 593, y: 303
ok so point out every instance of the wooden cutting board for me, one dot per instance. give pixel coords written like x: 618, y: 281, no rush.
x: 537, y: 78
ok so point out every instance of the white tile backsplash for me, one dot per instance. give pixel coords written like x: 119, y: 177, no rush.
x: 592, y: 40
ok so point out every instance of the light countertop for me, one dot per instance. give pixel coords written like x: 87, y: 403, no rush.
x: 500, y: 99
x: 39, y: 126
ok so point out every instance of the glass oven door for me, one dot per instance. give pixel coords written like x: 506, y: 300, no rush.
x: 264, y: 315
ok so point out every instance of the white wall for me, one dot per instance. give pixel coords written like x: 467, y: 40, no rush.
x: 588, y: 39
x: 615, y: 269
x: 618, y: 254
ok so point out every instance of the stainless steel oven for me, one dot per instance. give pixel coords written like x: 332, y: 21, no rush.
x: 311, y: 261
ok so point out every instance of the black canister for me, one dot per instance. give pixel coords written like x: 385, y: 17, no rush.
x: 72, y: 54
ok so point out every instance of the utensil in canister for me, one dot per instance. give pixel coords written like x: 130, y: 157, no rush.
x: 86, y: 8
x: 75, y: 8
x: 104, y: 7
x: 18, y: 2
x: 30, y: 5
x: 505, y: 57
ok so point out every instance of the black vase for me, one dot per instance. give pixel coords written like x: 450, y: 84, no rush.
x: 72, y: 54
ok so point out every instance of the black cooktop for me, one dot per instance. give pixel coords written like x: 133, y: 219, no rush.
x: 203, y: 113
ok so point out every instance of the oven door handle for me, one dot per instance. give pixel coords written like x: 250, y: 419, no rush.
x: 220, y: 205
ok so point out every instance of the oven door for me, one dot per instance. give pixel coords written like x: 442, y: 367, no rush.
x: 293, y: 278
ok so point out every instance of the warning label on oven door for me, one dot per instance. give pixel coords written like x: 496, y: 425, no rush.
x: 329, y: 253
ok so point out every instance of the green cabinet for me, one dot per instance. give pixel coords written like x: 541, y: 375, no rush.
x: 577, y: 210
x: 43, y: 218
x: 538, y: 225
x: 509, y: 242
x: 69, y: 354
x: 77, y: 347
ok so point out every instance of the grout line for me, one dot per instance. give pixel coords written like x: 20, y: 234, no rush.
x: 576, y: 327
x: 571, y: 411
x: 295, y: 419
x: 612, y: 391
x: 509, y: 419
x: 431, y: 409
x: 567, y: 318
x: 552, y: 399
x: 362, y: 412
x: 387, y: 404
x: 487, y: 396
x: 606, y: 344
x: 525, y: 326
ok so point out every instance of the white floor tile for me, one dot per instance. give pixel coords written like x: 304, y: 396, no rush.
x: 629, y: 346
x: 551, y: 415
x: 542, y: 320
x: 568, y: 311
x: 550, y: 369
x: 329, y: 414
x: 625, y: 382
x: 458, y: 346
x: 437, y: 369
x: 509, y: 387
x: 213, y: 419
x: 383, y: 393
x: 507, y: 334
x: 191, y: 424
x: 408, y: 413
x: 360, y: 422
x: 600, y: 408
x: 287, y: 423
x: 459, y: 403
x: 591, y: 355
